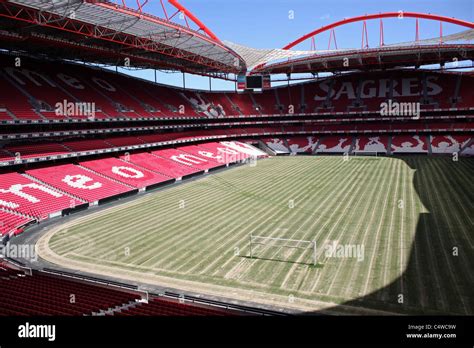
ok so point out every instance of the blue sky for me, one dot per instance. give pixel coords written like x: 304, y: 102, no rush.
x: 275, y: 23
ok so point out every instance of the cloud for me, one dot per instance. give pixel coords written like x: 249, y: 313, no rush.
x: 326, y: 16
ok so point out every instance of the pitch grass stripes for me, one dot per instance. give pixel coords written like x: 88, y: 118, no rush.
x: 271, y: 253
x: 361, y: 210
x: 331, y: 226
x: 199, y: 231
x: 296, y: 271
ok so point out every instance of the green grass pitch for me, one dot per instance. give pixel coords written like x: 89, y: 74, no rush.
x: 411, y: 218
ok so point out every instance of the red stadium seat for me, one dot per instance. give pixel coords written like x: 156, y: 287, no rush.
x: 79, y: 182
x: 21, y: 194
x: 409, y: 144
x: 302, y: 144
x: 160, y: 165
x: 334, y: 144
x: 10, y: 223
x: 125, y: 172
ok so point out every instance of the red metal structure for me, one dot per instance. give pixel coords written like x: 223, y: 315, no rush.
x: 155, y: 42
x: 364, y: 18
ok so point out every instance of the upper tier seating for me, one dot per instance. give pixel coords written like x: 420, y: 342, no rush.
x: 124, y: 141
x: 33, y: 91
x: 243, y: 102
x: 302, y: 144
x: 5, y: 156
x: 125, y: 172
x: 87, y: 145
x: 4, y: 115
x: 37, y: 150
x: 409, y: 144
x: 26, y: 196
x: 79, y: 182
x: 11, y: 223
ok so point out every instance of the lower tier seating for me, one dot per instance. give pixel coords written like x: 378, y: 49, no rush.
x: 165, y: 307
x: 187, y: 159
x: 333, y: 144
x: 276, y: 144
x: 11, y: 223
x: 223, y: 154
x: 125, y: 172
x: 45, y: 294
x: 160, y: 165
x: 468, y: 150
x: 79, y: 182
x: 374, y: 143
x: 302, y: 144
x: 31, y: 198
x: 448, y: 143
x: 409, y: 144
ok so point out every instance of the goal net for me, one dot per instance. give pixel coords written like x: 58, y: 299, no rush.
x: 257, y: 242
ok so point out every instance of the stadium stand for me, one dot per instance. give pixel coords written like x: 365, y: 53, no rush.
x: 45, y: 294
x: 334, y: 144
x: 200, y: 152
x: 86, y: 145
x: 277, y: 145
x: 126, y: 173
x: 378, y: 144
x: 11, y: 223
x: 224, y: 153
x: 161, y: 165
x: 468, y: 150
x: 79, y: 182
x: 302, y: 144
x: 165, y: 307
x: 32, y: 93
x: 448, y: 144
x: 186, y: 159
x: 37, y: 150
x: 23, y: 195
x: 409, y: 144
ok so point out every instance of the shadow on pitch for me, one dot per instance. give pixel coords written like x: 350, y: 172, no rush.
x: 434, y: 281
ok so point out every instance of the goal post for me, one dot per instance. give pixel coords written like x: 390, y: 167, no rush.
x: 283, y: 243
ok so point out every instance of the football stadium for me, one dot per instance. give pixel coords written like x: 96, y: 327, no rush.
x: 291, y: 180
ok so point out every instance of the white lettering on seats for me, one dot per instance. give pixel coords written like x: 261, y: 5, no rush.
x: 70, y: 81
x: 122, y: 171
x: 79, y: 181
x: 17, y: 190
x: 187, y: 159
x: 103, y: 84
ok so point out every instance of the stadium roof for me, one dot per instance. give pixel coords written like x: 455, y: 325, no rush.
x: 119, y: 31
x: 99, y: 31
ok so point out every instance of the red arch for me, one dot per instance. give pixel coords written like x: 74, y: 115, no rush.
x: 196, y: 20
x: 377, y: 16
